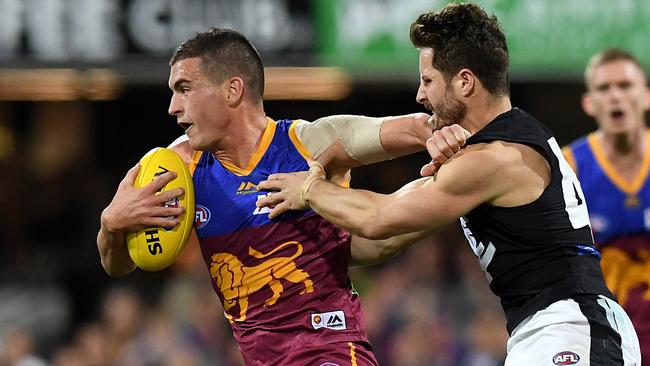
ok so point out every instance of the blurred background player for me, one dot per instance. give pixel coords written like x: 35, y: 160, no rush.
x: 519, y: 203
x: 284, y: 284
x: 613, y: 164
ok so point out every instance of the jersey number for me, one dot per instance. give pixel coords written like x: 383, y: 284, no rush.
x: 574, y: 199
x: 483, y: 254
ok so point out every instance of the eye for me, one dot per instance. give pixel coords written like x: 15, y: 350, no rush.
x: 625, y: 85
x: 602, y: 87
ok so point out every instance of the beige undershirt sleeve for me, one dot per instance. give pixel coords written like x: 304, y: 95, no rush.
x: 359, y: 136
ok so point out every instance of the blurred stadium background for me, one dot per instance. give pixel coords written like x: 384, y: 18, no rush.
x: 83, y: 95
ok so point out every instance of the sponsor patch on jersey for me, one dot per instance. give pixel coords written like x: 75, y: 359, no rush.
x: 566, y: 358
x: 201, y: 216
x: 247, y: 188
x: 330, y: 320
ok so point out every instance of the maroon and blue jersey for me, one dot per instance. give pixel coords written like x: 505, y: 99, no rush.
x: 284, y: 282
x: 616, y: 206
x: 619, y: 211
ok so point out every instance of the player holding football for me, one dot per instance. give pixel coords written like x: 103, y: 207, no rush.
x: 283, y: 283
x: 612, y: 164
x: 519, y: 203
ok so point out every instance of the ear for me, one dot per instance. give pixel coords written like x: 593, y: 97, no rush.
x: 466, y: 82
x: 647, y: 98
x: 235, y: 90
x: 587, y: 105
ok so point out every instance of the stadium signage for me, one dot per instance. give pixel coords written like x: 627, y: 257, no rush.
x: 107, y: 30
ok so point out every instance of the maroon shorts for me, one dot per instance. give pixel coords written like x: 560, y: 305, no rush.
x: 333, y: 354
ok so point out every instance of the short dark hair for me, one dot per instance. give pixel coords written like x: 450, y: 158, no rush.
x: 464, y: 36
x: 608, y: 55
x: 225, y: 53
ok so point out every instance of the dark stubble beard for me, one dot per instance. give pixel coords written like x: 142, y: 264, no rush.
x: 449, y: 111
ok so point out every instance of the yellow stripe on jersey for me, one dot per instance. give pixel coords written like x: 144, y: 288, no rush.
x: 196, y: 156
x: 302, y: 149
x: 353, y: 356
x: 267, y: 137
x: 624, y: 185
x: 570, y: 158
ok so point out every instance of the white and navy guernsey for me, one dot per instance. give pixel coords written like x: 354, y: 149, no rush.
x: 541, y: 252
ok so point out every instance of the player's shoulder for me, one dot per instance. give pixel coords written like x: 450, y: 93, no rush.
x: 482, y: 171
x: 182, y: 147
x: 580, y: 143
x: 286, y: 124
x: 496, y: 161
x: 496, y: 153
x: 479, y: 161
x: 579, y: 149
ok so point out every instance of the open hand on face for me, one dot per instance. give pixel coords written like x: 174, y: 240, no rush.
x: 134, y: 208
x: 444, y: 143
x: 285, y: 192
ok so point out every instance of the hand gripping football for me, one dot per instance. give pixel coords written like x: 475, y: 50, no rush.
x: 155, y: 248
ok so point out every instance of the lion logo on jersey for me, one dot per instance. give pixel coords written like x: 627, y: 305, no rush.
x: 623, y: 273
x: 237, y: 282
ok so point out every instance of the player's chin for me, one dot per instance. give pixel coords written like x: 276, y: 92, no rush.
x: 196, y: 144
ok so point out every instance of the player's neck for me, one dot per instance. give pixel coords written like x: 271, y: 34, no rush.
x: 485, y: 111
x: 625, y: 151
x: 627, y: 144
x: 242, y: 138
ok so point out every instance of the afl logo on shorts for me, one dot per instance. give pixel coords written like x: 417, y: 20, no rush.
x: 202, y: 216
x: 566, y: 358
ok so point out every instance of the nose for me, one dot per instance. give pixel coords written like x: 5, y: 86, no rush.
x: 420, y: 96
x: 615, y: 93
x: 175, y: 106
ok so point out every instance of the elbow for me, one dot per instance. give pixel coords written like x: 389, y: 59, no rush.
x: 374, y: 223
x: 117, y: 274
x: 388, y: 251
x: 373, y: 229
x: 422, y: 128
x: 117, y: 271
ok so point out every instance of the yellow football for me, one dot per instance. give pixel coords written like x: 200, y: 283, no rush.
x: 155, y: 248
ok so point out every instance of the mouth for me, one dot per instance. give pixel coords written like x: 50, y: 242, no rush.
x: 185, y: 125
x: 617, y: 115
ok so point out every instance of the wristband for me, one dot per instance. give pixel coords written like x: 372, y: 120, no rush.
x: 316, y: 171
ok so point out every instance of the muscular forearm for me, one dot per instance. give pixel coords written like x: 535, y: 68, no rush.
x: 351, y: 209
x: 366, y: 251
x: 113, y: 251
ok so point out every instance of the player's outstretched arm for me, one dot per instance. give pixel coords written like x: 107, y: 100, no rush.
x: 341, y: 142
x: 130, y: 210
x: 426, y: 204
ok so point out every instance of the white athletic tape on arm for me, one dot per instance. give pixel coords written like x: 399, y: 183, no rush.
x: 359, y: 136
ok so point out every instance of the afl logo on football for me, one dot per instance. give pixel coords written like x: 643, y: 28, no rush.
x: 566, y: 358
x: 202, y: 216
